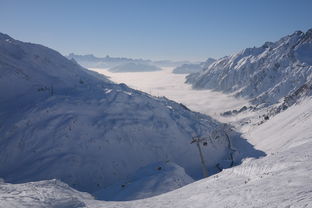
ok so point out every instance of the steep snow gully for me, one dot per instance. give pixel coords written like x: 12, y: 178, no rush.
x: 61, y: 121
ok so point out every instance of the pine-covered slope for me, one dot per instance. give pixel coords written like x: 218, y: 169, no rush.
x: 58, y: 120
x: 265, y: 74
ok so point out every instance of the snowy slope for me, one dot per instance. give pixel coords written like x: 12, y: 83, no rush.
x: 43, y: 194
x: 104, y: 62
x: 187, y: 69
x: 192, y: 68
x: 58, y: 120
x: 134, y: 67
x: 300, y: 94
x: 25, y: 67
x: 91, y: 61
x: 280, y: 179
x: 265, y: 74
x: 152, y: 180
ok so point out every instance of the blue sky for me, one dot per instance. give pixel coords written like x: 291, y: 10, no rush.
x: 154, y: 29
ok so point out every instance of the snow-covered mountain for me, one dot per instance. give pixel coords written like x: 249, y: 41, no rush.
x: 280, y: 179
x: 193, y: 68
x: 91, y: 61
x: 152, y: 180
x: 104, y: 62
x: 187, y: 69
x: 264, y: 74
x: 291, y: 99
x: 59, y: 120
x: 134, y: 67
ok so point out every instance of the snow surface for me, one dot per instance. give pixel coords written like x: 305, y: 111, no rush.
x: 280, y: 177
x: 187, y: 69
x: 59, y: 120
x: 193, y: 68
x: 52, y: 193
x: 148, y: 181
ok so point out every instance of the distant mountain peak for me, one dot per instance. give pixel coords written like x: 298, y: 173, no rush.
x: 5, y: 37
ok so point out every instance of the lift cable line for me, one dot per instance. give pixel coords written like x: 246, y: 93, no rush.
x: 198, y: 142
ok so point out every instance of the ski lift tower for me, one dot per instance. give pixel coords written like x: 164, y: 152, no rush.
x: 198, y: 142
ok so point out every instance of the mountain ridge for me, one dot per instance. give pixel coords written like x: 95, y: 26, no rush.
x: 91, y: 61
x: 263, y: 74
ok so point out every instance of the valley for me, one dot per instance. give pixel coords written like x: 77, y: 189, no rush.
x: 235, y: 133
x: 173, y: 86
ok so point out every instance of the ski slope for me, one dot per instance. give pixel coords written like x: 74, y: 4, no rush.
x: 280, y: 179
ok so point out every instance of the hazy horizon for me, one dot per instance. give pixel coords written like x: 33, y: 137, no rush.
x: 156, y: 30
